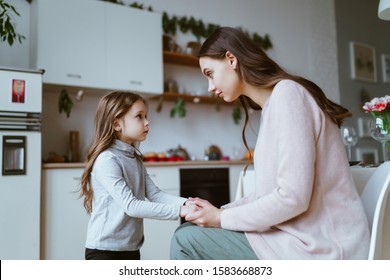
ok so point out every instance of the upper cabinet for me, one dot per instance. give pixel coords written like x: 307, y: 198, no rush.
x: 68, y: 43
x: 134, y: 44
x: 97, y: 44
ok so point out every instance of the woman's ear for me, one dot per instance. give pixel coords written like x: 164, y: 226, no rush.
x: 232, y: 59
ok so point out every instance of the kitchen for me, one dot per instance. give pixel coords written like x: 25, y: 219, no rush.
x: 316, y: 59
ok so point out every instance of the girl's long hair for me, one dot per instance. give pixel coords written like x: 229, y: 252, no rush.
x: 257, y: 69
x: 112, y: 106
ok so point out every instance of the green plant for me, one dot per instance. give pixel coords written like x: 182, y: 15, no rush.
x: 141, y: 6
x: 236, y: 114
x: 169, y: 25
x: 197, y: 27
x: 179, y: 108
x: 201, y: 30
x: 7, y: 25
x: 65, y: 104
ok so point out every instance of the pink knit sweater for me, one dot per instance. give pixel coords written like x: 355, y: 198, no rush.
x: 305, y: 205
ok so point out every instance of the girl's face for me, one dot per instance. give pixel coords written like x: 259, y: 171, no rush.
x: 133, y: 126
x: 222, y: 76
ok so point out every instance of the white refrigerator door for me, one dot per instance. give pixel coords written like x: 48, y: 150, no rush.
x: 20, y: 202
x: 20, y: 91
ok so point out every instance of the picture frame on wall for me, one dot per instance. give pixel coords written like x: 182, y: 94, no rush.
x: 363, y: 66
x: 386, y: 68
x: 367, y: 155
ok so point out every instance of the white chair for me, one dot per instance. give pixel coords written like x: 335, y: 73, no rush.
x: 246, y: 184
x: 374, y: 198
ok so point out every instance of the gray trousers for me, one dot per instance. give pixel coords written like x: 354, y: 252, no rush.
x: 191, y: 242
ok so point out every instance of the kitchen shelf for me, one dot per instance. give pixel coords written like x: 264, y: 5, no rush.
x: 191, y: 61
x: 180, y: 59
x: 173, y: 96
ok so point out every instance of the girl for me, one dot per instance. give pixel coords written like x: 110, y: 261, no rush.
x: 115, y: 182
x: 305, y: 205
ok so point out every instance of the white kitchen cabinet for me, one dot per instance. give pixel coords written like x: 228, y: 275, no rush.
x: 158, y: 233
x: 96, y: 44
x: 64, y: 219
x: 134, y: 49
x: 68, y: 42
x: 234, y: 174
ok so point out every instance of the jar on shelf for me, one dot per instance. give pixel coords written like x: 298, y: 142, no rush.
x: 171, y: 85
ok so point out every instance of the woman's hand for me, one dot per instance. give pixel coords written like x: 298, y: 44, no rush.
x: 206, y: 216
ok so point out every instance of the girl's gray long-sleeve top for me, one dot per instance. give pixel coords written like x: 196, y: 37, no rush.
x: 121, y: 186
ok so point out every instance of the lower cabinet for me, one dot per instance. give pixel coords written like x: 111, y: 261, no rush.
x: 158, y: 233
x: 64, y: 219
x: 234, y: 174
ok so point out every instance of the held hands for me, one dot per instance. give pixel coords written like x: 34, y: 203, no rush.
x: 187, y: 208
x: 204, y: 215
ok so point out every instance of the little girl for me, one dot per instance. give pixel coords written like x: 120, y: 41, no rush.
x: 115, y: 183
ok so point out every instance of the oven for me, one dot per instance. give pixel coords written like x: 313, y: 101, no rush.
x: 211, y: 184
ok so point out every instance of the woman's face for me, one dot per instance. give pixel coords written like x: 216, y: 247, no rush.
x: 133, y: 126
x: 222, y: 76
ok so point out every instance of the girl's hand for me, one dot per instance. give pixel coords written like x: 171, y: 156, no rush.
x: 188, y: 208
x: 207, y: 215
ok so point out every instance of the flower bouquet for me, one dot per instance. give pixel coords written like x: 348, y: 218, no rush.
x: 380, y: 107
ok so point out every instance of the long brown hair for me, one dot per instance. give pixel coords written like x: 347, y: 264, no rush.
x: 111, y: 106
x: 257, y: 69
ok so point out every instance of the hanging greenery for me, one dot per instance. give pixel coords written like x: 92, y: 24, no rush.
x: 179, y: 109
x: 197, y: 27
x: 201, y: 30
x: 65, y: 104
x: 236, y: 114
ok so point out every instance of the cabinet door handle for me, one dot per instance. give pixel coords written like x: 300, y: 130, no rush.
x: 77, y: 178
x: 136, y: 83
x: 76, y: 76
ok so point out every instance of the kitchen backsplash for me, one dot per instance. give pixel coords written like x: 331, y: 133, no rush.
x: 203, y: 126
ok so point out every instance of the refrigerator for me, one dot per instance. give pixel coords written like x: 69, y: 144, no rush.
x: 20, y: 155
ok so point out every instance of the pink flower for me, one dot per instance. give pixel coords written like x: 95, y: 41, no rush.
x: 377, y: 104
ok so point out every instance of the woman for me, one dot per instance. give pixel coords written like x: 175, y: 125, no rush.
x: 305, y: 205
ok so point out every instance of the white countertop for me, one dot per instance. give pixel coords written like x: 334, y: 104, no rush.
x: 155, y: 163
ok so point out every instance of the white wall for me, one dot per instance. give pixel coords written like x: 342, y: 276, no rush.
x: 304, y: 37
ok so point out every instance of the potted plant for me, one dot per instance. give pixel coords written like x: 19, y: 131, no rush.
x: 7, y: 26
